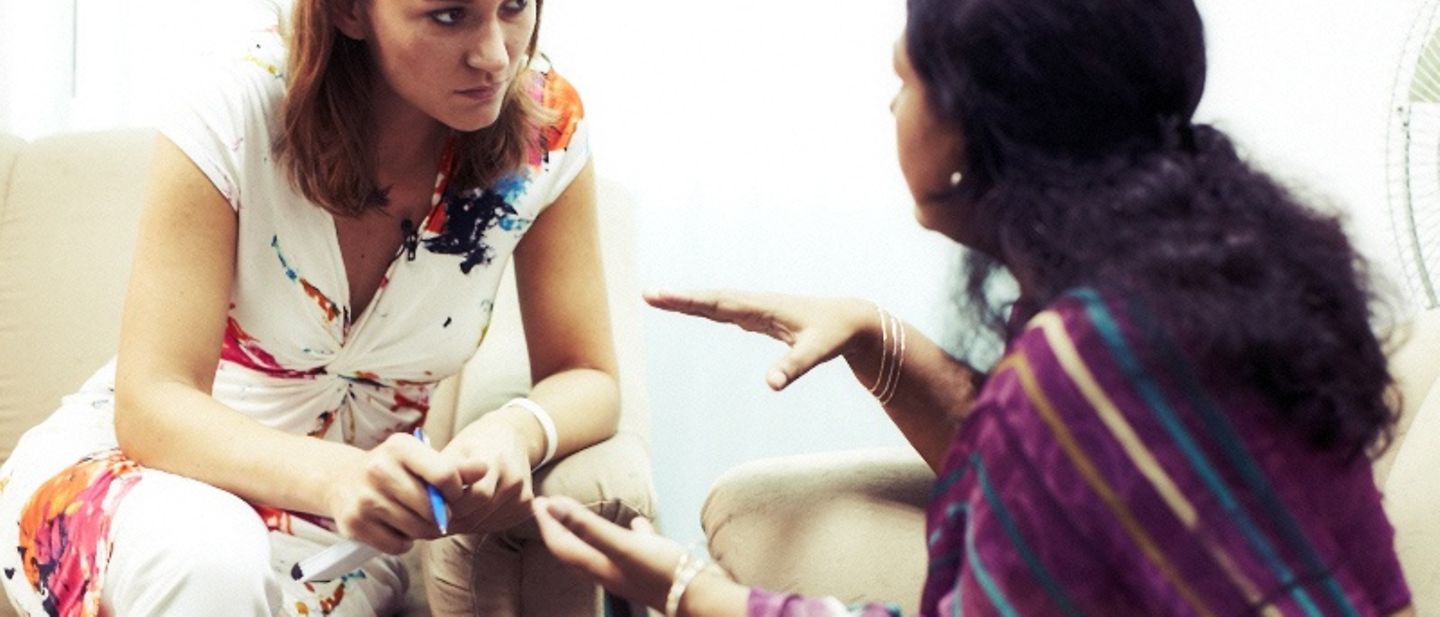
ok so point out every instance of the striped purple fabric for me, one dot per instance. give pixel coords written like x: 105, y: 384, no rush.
x: 1096, y: 475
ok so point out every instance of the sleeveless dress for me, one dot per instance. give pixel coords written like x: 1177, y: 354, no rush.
x: 295, y: 356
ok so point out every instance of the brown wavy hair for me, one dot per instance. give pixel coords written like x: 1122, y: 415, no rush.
x: 325, y: 129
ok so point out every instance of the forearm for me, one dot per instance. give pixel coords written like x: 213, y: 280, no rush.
x: 713, y: 594
x: 932, y: 390
x: 174, y: 427
x: 583, y: 403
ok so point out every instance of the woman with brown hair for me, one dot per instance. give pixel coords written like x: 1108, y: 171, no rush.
x: 325, y: 230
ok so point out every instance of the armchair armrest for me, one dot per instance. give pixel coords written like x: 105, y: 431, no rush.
x: 512, y: 572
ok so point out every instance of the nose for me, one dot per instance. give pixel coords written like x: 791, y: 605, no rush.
x: 486, y: 51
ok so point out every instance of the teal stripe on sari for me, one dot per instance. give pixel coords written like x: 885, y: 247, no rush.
x: 1149, y: 390
x: 1007, y: 522
x: 1221, y: 431
x: 982, y: 576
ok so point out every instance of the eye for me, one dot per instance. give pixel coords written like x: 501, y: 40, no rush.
x: 447, y: 17
x: 515, y: 7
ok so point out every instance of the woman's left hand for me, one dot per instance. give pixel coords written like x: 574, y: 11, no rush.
x: 635, y: 563
x: 494, y: 460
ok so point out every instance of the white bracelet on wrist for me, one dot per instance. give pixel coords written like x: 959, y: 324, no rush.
x: 552, y: 438
x: 685, y: 573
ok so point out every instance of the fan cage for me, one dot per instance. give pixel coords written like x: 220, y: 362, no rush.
x: 1414, y: 157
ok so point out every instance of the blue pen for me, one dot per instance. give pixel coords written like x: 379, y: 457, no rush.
x: 437, y: 502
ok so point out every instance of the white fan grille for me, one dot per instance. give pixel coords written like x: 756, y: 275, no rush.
x: 1415, y: 158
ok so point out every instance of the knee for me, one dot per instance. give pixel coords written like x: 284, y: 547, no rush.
x: 178, y: 534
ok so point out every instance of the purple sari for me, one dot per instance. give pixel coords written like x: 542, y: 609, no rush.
x: 1096, y: 475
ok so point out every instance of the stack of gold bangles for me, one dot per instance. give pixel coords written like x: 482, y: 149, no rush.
x: 892, y: 356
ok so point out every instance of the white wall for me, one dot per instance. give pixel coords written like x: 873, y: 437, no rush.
x: 74, y: 65
x: 1305, y: 86
x: 793, y: 184
x: 36, y: 77
x: 756, y: 139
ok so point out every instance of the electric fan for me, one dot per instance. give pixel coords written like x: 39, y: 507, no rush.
x: 1414, y: 157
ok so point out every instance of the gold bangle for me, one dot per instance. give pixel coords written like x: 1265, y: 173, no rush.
x: 685, y: 572
x: 884, y: 351
x: 899, y: 363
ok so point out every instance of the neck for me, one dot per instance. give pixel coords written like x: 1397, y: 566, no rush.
x: 406, y: 139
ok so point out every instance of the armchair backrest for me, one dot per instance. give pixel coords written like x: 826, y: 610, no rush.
x: 1409, y: 472
x: 69, y: 209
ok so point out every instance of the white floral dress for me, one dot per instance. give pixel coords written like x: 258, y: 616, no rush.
x: 295, y: 356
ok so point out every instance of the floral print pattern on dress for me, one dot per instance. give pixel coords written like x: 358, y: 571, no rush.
x: 64, y: 532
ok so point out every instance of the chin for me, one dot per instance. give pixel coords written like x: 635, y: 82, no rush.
x: 925, y: 216
x: 956, y: 231
x: 470, y: 126
x: 473, y: 121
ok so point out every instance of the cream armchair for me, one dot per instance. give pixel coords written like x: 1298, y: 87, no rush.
x: 68, y: 216
x: 852, y: 524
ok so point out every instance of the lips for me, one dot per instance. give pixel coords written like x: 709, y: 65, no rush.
x: 483, y: 93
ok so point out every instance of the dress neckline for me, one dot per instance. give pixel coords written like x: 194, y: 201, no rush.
x: 351, y: 321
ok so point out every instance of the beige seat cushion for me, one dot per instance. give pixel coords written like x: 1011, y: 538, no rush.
x: 803, y: 524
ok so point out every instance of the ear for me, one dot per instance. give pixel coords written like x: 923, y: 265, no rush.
x: 350, y: 18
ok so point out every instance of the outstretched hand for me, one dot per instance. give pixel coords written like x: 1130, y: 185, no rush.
x: 635, y: 563
x: 816, y: 329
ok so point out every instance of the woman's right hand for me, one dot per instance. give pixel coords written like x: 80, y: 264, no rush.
x: 816, y: 329
x: 382, y: 501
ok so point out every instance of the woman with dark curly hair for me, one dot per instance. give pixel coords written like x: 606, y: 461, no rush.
x: 1191, y: 389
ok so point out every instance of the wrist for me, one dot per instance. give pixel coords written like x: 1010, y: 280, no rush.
x: 338, y: 461
x: 714, y: 594
x: 518, y: 425
x: 865, y: 330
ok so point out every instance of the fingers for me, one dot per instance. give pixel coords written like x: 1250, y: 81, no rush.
x: 697, y: 303
x: 588, y: 526
x: 427, y: 464
x: 568, y: 546
x: 751, y: 311
x: 379, y: 535
x: 642, y: 525
x: 508, y: 507
x: 497, y: 500
x: 472, y: 469
x: 810, y: 349
x: 394, y: 493
x: 763, y: 313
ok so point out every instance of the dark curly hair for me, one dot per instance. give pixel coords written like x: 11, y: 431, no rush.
x: 1083, y: 168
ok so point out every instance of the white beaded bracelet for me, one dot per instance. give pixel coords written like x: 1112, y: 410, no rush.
x: 552, y: 438
x: 685, y: 573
